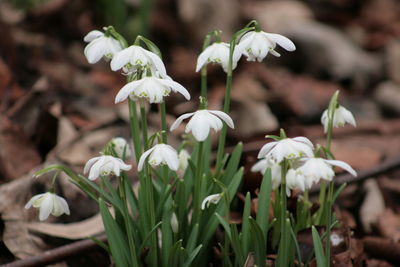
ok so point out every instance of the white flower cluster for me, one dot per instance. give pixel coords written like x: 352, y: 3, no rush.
x: 255, y: 45
x: 305, y: 169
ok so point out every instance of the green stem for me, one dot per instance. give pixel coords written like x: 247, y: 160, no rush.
x: 197, y: 185
x: 144, y: 125
x: 164, y: 122
x: 227, y: 102
x: 283, y: 248
x: 203, y: 92
x: 135, y: 132
x: 328, y: 224
x: 128, y: 227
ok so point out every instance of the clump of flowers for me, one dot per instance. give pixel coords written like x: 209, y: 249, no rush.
x: 183, y: 197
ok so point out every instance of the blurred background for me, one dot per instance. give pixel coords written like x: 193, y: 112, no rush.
x: 56, y: 107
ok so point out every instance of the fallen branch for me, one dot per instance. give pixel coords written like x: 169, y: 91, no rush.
x: 57, y: 254
x: 382, y: 248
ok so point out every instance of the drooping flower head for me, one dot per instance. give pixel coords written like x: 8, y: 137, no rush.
x: 287, y: 148
x: 202, y: 121
x: 256, y: 45
x: 48, y: 203
x: 160, y: 154
x: 316, y: 169
x: 217, y: 53
x: 134, y: 57
x: 104, y: 166
x: 276, y: 175
x: 100, y: 45
x: 341, y: 116
x: 152, y: 89
x: 211, y: 199
x: 120, y: 146
x: 183, y: 157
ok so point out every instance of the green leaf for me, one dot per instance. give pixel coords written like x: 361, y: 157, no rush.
x: 245, y: 238
x: 260, y: 247
x: 192, y: 256
x: 174, y: 253
x: 293, y: 235
x: 100, y: 244
x: 116, y: 240
x: 149, y: 234
x: 192, y: 238
x: 233, y: 163
x: 338, y: 191
x: 264, y: 199
x: 319, y: 251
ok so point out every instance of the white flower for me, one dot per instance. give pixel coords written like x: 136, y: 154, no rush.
x: 151, y: 88
x: 288, y: 148
x: 217, y: 53
x: 315, y: 169
x: 48, y: 203
x: 202, y: 121
x: 104, y: 166
x: 211, y: 199
x: 276, y: 175
x: 100, y: 46
x: 256, y: 45
x: 120, y: 146
x: 174, y: 223
x: 183, y: 157
x: 132, y: 57
x: 340, y: 117
x: 296, y: 180
x: 160, y: 154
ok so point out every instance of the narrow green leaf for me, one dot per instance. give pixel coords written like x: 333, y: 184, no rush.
x: 264, y: 199
x: 233, y: 163
x: 293, y: 235
x: 192, y: 256
x: 319, y: 251
x: 338, y: 191
x: 245, y: 238
x: 192, y: 238
x: 174, y: 253
x: 117, y: 242
x: 260, y: 248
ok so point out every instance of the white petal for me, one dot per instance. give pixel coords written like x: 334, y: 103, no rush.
x: 281, y: 40
x: 121, y: 58
x: 176, y: 87
x: 348, y: 117
x: 33, y: 199
x: 89, y: 164
x: 127, y: 90
x: 92, y: 35
x: 143, y: 158
x: 95, y: 51
x: 179, y: 120
x: 199, y: 127
x: 225, y: 117
x: 64, y: 205
x: 157, y: 63
x: 342, y: 165
x: 260, y: 166
x: 266, y: 149
x: 46, y: 206
x: 304, y: 140
x: 203, y: 57
x: 171, y: 157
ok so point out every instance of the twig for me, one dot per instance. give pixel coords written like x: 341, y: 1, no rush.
x: 382, y: 248
x: 386, y: 166
x: 57, y: 254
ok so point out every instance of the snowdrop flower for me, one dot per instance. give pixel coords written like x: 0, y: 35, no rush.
x: 202, y: 121
x: 151, y: 88
x: 135, y: 56
x: 174, y: 223
x: 262, y: 165
x: 340, y: 117
x: 160, y: 154
x: 104, y: 166
x: 100, y: 46
x: 315, y: 169
x: 288, y: 148
x: 48, y: 203
x: 211, y: 199
x: 296, y: 180
x: 120, y: 145
x: 217, y: 53
x: 255, y: 45
x: 183, y: 157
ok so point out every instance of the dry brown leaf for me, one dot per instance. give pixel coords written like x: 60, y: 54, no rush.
x: 389, y: 225
x: 78, y: 230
